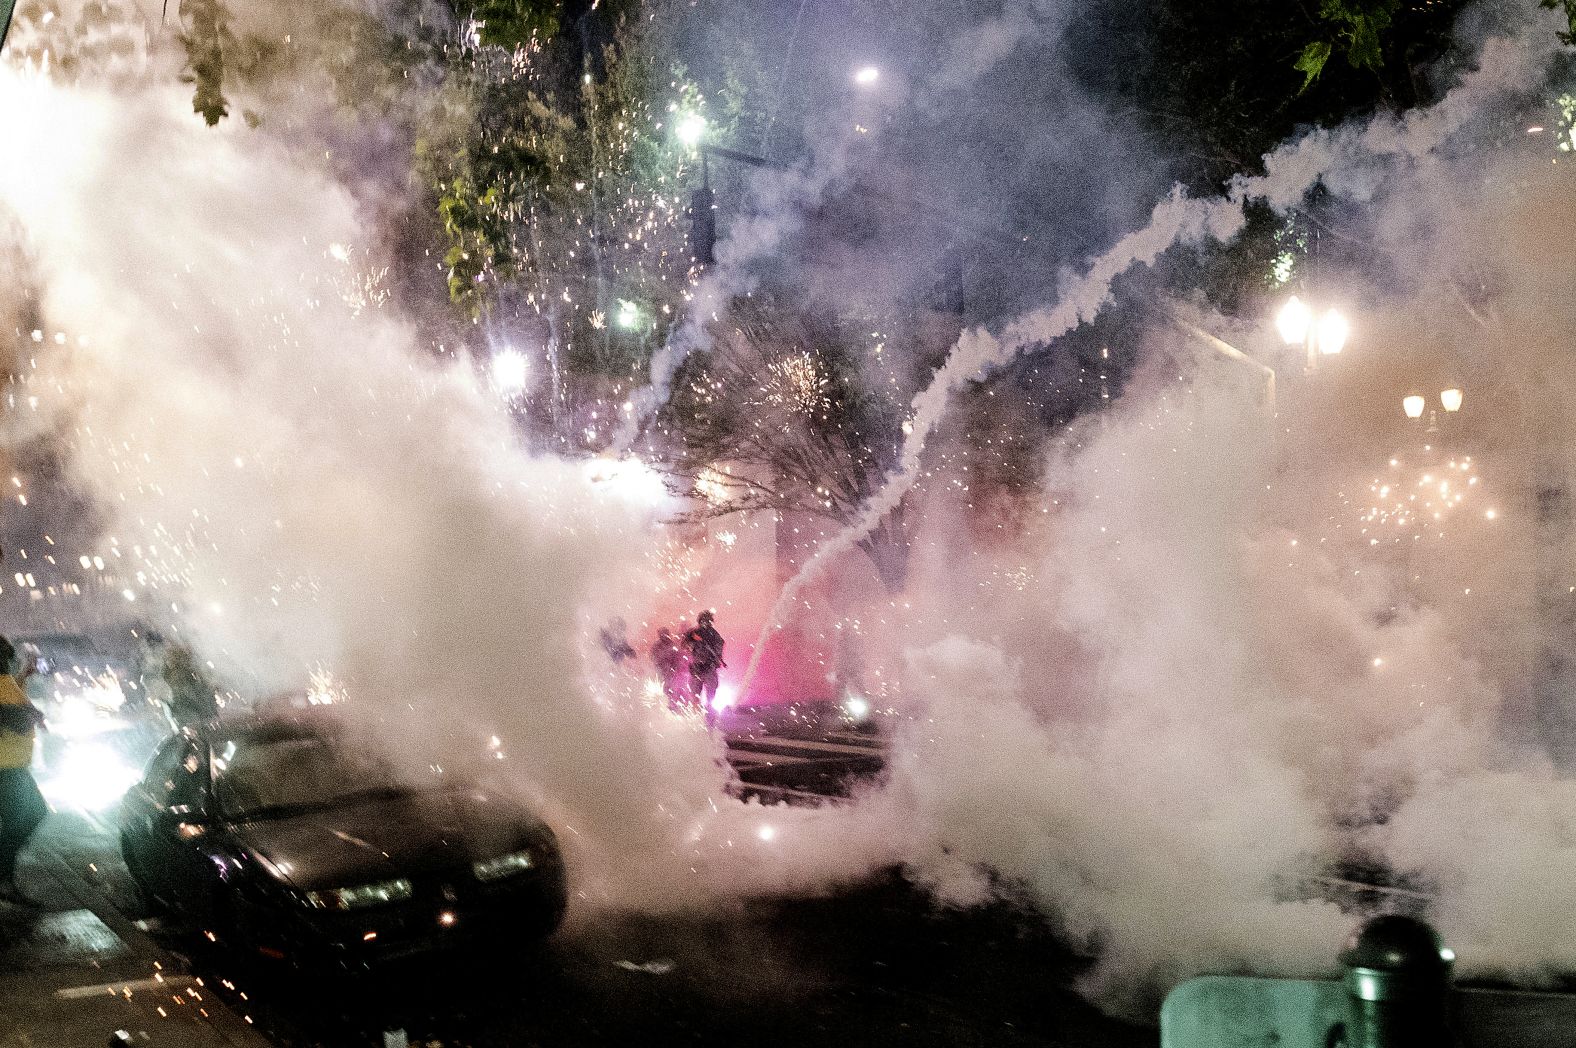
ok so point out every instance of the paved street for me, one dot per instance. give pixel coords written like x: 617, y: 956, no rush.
x: 807, y: 765
x: 80, y: 969
x: 875, y: 966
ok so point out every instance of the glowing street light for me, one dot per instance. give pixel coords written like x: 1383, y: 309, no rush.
x: 1450, y: 399
x: 1325, y: 335
x: 864, y: 76
x: 691, y: 129
x: 628, y: 314
x: 1332, y: 332
x: 509, y: 371
x: 1294, y: 321
x: 1414, y: 405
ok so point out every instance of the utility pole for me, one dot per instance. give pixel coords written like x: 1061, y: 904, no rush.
x: 703, y: 218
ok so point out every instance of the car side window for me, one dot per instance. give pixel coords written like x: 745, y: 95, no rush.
x: 160, y: 778
x: 176, y: 776
x: 191, y: 777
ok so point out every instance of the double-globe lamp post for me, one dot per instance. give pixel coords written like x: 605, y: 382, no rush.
x: 1415, y: 404
x: 1324, y: 334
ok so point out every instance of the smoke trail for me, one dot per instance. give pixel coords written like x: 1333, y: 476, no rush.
x: 786, y: 197
x: 1348, y: 160
x: 979, y: 353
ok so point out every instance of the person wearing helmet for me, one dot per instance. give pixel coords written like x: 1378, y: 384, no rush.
x: 668, y: 657
x: 704, y: 645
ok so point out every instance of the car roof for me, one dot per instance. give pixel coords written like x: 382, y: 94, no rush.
x: 271, y: 725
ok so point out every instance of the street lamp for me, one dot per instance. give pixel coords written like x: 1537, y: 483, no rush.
x: 1332, y: 332
x: 864, y: 76
x: 1415, y: 403
x: 508, y: 371
x: 691, y: 129
x: 1325, y: 335
x: 628, y: 314
x: 1294, y: 321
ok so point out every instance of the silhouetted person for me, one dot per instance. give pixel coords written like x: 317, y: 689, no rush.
x: 704, y: 645
x: 667, y: 655
x: 615, y: 643
x: 174, y: 679
x: 22, y: 807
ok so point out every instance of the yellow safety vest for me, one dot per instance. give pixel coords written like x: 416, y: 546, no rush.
x: 16, y: 751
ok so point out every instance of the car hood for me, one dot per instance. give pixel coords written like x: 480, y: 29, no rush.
x: 373, y: 840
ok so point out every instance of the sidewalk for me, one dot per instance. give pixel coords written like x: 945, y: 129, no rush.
x: 73, y: 974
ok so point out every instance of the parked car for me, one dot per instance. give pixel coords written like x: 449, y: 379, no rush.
x: 292, y: 836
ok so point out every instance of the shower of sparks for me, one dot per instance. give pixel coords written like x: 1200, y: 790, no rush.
x: 713, y: 485
x: 324, y: 689
x: 1408, y: 502
x: 677, y: 565
x: 360, y: 287
x: 798, y: 384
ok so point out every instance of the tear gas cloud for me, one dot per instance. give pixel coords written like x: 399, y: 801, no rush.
x: 1202, y: 684
x: 295, y: 485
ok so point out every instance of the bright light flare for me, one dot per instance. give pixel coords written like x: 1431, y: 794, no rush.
x: 628, y: 314
x: 324, y: 689
x: 90, y: 777
x: 1414, y: 405
x: 1332, y: 332
x: 857, y: 707
x: 509, y: 369
x: 1293, y: 321
x: 865, y: 76
x: 90, y: 711
x: 629, y: 478
x: 691, y: 129
x: 726, y: 698
x: 714, y: 485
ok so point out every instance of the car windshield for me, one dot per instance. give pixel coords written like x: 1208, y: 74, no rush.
x: 255, y: 777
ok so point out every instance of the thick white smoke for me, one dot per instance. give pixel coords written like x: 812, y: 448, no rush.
x: 1228, y: 670
x: 1190, y: 704
x: 1352, y: 161
x: 297, y: 484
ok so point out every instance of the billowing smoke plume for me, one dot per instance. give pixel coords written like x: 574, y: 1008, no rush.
x: 293, y: 483
x: 1185, y: 689
x: 1349, y: 160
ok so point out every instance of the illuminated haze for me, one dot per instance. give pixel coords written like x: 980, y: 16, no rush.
x: 1182, y: 683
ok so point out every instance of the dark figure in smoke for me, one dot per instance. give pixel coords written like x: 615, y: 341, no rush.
x: 668, y: 657
x: 615, y: 643
x: 172, y: 678
x: 22, y: 807
x: 704, y: 645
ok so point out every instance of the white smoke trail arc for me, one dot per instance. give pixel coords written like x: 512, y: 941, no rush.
x: 1349, y: 160
x: 979, y: 353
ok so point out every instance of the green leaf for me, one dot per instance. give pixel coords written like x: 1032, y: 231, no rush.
x: 513, y: 23
x: 1311, y: 61
x: 1363, y: 52
x: 1569, y: 7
